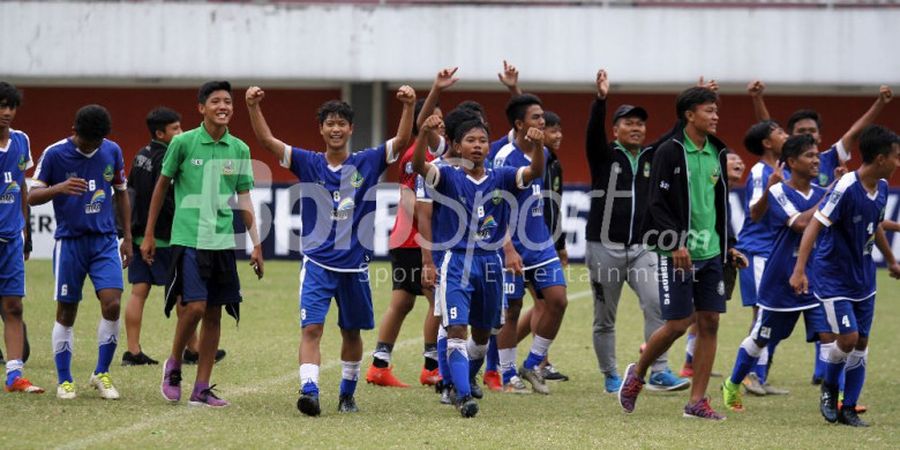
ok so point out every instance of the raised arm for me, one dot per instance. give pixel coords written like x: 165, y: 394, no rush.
x: 443, y: 80
x: 510, y: 78
x: 535, y: 138
x: 756, y: 89
x: 759, y: 206
x: 407, y: 96
x: 420, y: 165
x: 849, y: 139
x: 261, y: 129
x: 245, y: 207
x: 596, y: 144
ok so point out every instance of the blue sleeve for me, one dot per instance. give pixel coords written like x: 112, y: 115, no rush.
x: 832, y: 209
x: 781, y: 209
x: 119, y: 180
x: 376, y: 160
x: 508, y: 177
x: 303, y: 163
x: 445, y: 180
x: 44, y: 172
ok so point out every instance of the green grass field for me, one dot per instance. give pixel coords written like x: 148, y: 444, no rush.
x: 259, y: 377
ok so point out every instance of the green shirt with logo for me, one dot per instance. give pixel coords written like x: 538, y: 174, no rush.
x: 703, y: 175
x: 206, y: 175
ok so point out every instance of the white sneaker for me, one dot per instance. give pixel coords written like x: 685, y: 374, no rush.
x: 516, y: 386
x: 103, y: 384
x: 65, y: 391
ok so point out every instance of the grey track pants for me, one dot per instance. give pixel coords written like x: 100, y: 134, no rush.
x: 610, y: 268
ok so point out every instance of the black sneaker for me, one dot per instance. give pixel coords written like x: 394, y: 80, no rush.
x: 847, y: 416
x: 551, y: 374
x: 467, y: 406
x: 309, y: 404
x: 189, y: 357
x: 828, y: 403
x: 347, y: 404
x: 141, y: 359
x: 475, y: 388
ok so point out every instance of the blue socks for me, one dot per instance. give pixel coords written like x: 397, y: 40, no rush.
x: 349, y: 376
x: 492, y: 359
x: 107, y: 340
x: 458, y: 359
x: 742, y: 365
x: 443, y: 362
x: 855, y: 376
x: 63, y: 343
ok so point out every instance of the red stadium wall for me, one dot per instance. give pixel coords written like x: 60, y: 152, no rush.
x: 736, y: 115
x: 47, y: 115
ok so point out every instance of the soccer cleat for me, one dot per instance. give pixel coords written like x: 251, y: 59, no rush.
x: 447, y: 394
x: 467, y: 406
x: 429, y: 377
x: 613, y: 383
x: 492, y: 380
x: 383, y: 377
x: 772, y: 390
x: 701, y: 410
x: 732, y: 396
x: 534, y: 377
x: 139, y: 359
x: 347, y: 404
x: 309, y: 404
x: 103, y: 384
x: 630, y: 388
x: 171, y: 383
x: 189, y: 357
x: 21, y: 384
x: 752, y: 385
x: 475, y: 388
x: 667, y: 381
x: 828, y: 403
x: 848, y: 416
x: 207, y: 398
x: 687, y: 371
x: 860, y: 409
x: 66, y: 390
x: 551, y: 374
x: 516, y: 386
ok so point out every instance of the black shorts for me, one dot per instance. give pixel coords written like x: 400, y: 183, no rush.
x: 681, y: 293
x: 156, y: 274
x: 406, y: 270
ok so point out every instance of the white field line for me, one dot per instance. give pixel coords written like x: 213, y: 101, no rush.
x: 106, y: 437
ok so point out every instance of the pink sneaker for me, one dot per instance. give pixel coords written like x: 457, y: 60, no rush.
x: 702, y: 410
x: 171, y: 382
x: 206, y: 397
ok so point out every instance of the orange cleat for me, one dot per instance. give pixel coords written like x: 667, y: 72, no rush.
x: 860, y: 409
x: 429, y: 377
x: 383, y: 377
x: 21, y: 384
x: 687, y: 371
x: 492, y: 380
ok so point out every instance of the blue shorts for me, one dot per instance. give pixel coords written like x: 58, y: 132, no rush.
x: 215, y: 282
x: 157, y: 274
x: 96, y: 256
x: 350, y: 290
x: 681, y: 293
x: 541, y: 277
x: 12, y: 260
x: 846, y: 317
x: 750, y: 277
x: 471, y: 291
x: 778, y: 325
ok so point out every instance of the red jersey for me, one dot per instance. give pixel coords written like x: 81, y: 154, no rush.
x: 403, y: 235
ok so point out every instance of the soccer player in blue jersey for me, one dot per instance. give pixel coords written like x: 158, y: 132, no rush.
x: 844, y: 272
x: 15, y: 159
x: 337, y: 205
x: 764, y: 139
x: 531, y: 239
x: 83, y: 175
x: 790, y: 209
x: 471, y: 289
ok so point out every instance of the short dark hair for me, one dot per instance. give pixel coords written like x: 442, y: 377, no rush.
x: 551, y: 119
x: 876, y: 140
x: 473, y: 106
x: 159, y: 118
x: 753, y: 140
x: 795, y: 146
x: 457, y: 117
x: 420, y: 103
x: 803, y: 114
x: 691, y: 98
x: 212, y: 86
x: 518, y: 106
x: 9, y: 95
x: 337, y: 108
x: 460, y: 131
x: 92, y: 122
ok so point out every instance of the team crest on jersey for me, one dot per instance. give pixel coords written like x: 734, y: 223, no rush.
x: 22, y: 162
x: 228, y: 167
x: 344, y: 209
x: 9, y: 194
x: 823, y: 179
x: 496, y: 197
x: 357, y: 179
x: 96, y: 203
x: 556, y: 183
x: 486, y: 229
x: 646, y: 169
x: 408, y: 168
x: 108, y: 173
x: 197, y: 162
x: 714, y: 178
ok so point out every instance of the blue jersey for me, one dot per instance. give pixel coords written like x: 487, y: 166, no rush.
x: 92, y: 212
x: 15, y: 159
x: 496, y: 146
x: 531, y: 237
x: 843, y: 264
x: 756, y: 237
x: 483, y: 206
x: 445, y: 224
x: 785, y: 205
x: 338, y: 204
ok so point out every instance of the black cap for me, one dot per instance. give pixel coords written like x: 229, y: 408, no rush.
x: 630, y: 110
